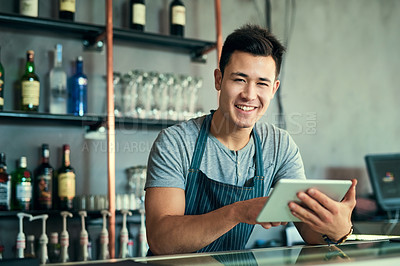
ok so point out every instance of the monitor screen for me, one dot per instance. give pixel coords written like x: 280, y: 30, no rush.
x: 384, y: 173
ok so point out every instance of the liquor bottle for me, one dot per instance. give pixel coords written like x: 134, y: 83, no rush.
x: 30, y: 85
x: 30, y: 251
x: 137, y: 15
x: 43, y: 182
x: 1, y: 251
x: 5, y: 184
x: 1, y: 84
x: 29, y: 8
x: 78, y: 90
x: 177, y: 18
x: 66, y: 181
x: 21, y: 187
x: 58, y: 85
x: 67, y: 9
x: 54, y: 248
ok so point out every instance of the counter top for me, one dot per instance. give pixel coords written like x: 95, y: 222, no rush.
x: 384, y: 252
x: 354, y: 253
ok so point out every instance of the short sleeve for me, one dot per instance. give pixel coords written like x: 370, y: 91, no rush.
x: 165, y: 163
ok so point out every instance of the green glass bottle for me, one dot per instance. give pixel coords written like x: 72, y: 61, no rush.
x: 30, y: 85
x: 21, y: 187
x: 1, y: 84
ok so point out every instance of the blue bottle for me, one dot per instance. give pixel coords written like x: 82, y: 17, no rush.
x: 78, y: 91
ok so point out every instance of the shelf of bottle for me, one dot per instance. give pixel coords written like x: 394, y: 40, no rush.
x: 52, y: 213
x: 90, y: 32
x: 93, y: 121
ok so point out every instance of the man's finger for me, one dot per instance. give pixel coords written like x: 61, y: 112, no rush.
x: 317, y: 202
x: 351, y: 193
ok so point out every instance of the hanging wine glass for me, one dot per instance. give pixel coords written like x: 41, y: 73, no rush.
x: 118, y: 104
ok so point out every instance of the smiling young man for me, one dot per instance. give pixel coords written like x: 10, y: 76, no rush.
x: 208, y: 178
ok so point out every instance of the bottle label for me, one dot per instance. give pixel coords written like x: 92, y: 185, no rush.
x: 44, y: 189
x: 54, y: 239
x: 1, y: 89
x: 83, y: 240
x: 64, y: 241
x: 104, y: 239
x: 24, y: 192
x: 67, y: 5
x: 21, y: 244
x: 124, y: 238
x: 5, y: 193
x: 28, y: 8
x: 30, y: 92
x: 139, y: 14
x: 66, y: 185
x: 178, y: 15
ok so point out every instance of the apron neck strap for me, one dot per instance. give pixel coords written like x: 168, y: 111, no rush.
x: 258, y: 154
x: 201, y: 142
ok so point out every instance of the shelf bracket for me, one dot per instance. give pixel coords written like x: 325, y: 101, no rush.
x: 200, y: 55
x: 96, y: 131
x: 94, y: 43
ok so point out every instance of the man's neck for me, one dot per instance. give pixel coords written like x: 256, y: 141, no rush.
x: 229, y: 135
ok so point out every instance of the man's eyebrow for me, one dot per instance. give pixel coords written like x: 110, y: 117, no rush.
x: 246, y: 76
x: 265, y: 79
x: 239, y: 74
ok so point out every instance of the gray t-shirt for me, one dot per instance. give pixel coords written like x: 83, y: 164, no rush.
x: 172, y: 152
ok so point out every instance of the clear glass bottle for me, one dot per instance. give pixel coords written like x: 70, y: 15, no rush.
x: 1, y: 84
x: 43, y: 181
x: 67, y: 9
x: 30, y: 85
x: 21, y: 187
x: 78, y: 90
x: 58, y: 96
x: 177, y: 18
x: 137, y: 15
x: 5, y: 184
x: 66, y: 181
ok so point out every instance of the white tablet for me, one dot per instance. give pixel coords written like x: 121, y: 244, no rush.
x: 276, y: 208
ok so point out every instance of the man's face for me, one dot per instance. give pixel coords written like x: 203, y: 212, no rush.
x: 246, y: 89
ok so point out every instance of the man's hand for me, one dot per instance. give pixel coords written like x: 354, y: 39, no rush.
x: 248, y: 210
x: 323, y: 215
x: 170, y: 231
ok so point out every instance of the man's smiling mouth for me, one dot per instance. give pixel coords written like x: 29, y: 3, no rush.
x: 245, y: 108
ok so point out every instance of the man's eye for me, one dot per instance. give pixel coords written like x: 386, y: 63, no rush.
x: 240, y: 80
x: 263, y: 84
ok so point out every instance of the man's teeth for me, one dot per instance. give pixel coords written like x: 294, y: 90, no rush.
x: 245, y: 108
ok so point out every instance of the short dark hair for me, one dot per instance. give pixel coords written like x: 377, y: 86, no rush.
x: 255, y: 40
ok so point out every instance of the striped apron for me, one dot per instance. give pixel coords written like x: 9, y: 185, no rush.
x: 204, y: 195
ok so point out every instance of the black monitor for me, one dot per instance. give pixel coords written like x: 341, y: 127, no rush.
x: 384, y: 173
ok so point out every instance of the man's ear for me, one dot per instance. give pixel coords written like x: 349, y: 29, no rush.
x: 275, y: 88
x: 217, y: 79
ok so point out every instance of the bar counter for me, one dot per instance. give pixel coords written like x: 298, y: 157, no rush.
x: 382, y: 252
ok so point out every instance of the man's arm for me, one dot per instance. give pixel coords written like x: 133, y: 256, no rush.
x: 324, y: 216
x: 169, y: 231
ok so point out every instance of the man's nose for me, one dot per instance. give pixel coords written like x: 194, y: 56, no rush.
x: 250, y: 91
